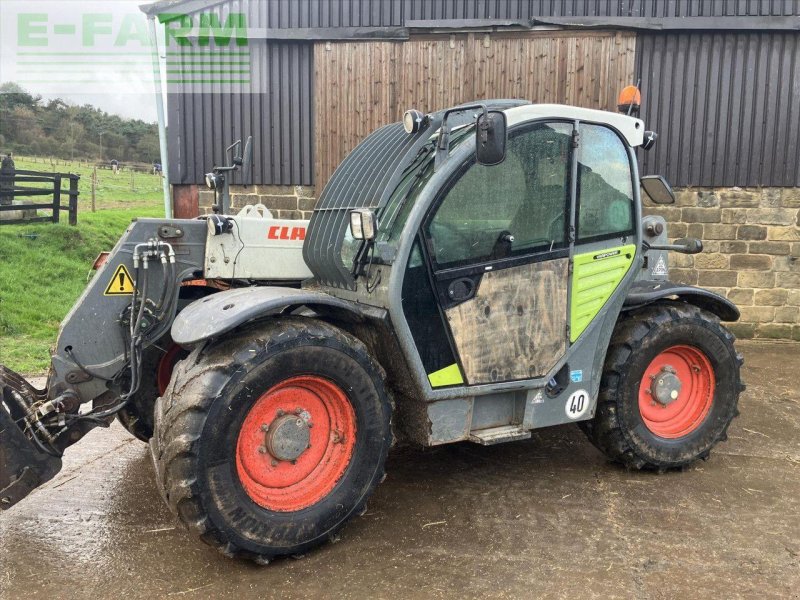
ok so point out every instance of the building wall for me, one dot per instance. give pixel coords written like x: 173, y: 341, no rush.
x: 363, y: 85
x: 284, y: 201
x: 752, y: 252
x: 275, y: 108
x: 281, y: 118
x: 725, y: 106
x: 751, y: 240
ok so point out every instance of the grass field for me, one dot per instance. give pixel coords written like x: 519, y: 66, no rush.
x: 44, y: 267
x: 124, y: 189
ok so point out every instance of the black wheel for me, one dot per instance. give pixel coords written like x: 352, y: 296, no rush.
x: 670, y: 387
x: 268, y: 442
x: 158, y: 362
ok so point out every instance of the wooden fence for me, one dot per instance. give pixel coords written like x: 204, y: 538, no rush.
x: 360, y: 86
x: 57, y: 186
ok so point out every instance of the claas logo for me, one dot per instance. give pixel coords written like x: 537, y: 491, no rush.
x: 278, y: 232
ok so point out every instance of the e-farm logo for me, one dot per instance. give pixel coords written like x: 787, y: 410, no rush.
x: 69, y: 51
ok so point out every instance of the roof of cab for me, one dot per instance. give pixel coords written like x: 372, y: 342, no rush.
x: 632, y: 129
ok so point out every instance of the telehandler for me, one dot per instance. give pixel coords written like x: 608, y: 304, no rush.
x: 468, y: 275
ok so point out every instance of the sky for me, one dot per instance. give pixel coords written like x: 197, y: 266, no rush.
x: 85, y: 52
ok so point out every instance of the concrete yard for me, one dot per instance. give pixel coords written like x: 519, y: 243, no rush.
x: 547, y: 517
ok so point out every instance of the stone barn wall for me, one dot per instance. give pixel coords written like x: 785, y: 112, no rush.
x: 751, y: 238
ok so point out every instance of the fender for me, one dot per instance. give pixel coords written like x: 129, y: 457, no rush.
x: 224, y: 311
x: 646, y: 292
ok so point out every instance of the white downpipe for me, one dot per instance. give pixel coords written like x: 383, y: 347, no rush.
x: 162, y: 125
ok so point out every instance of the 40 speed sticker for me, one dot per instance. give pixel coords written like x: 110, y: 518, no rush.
x: 577, y: 404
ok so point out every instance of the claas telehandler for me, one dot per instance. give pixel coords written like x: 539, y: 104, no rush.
x: 468, y: 275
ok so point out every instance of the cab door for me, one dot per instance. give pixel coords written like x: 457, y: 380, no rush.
x: 605, y: 244
x: 497, y: 248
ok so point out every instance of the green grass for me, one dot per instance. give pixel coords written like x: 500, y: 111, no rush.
x: 43, y: 270
x: 112, y: 190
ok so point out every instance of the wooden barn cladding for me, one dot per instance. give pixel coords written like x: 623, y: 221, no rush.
x: 360, y: 86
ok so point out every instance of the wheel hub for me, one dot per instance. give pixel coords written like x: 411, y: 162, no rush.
x: 287, y: 437
x: 676, y: 391
x: 295, y: 443
x: 665, y: 386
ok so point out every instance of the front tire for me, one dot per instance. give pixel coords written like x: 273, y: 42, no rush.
x: 670, y: 387
x: 267, y: 443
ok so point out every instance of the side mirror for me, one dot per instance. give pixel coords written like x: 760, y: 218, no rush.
x: 657, y: 188
x: 247, y: 160
x: 363, y: 224
x: 491, y: 137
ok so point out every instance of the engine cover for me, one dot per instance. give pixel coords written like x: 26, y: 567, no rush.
x: 253, y: 245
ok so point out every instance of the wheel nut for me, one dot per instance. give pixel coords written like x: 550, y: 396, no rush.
x: 298, y: 411
x: 280, y: 412
x: 262, y: 450
x: 274, y: 462
x: 265, y: 428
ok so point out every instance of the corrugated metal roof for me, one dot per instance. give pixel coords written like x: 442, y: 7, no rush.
x: 725, y: 107
x: 393, y: 13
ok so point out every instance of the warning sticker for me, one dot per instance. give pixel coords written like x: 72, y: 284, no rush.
x: 121, y: 283
x: 660, y: 268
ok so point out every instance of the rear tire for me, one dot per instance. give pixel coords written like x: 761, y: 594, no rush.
x: 216, y: 463
x: 644, y: 427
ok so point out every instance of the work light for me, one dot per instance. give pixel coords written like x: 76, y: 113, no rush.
x: 412, y: 121
x: 363, y: 224
x: 211, y: 181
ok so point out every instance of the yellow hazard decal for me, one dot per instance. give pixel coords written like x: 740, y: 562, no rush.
x: 121, y: 283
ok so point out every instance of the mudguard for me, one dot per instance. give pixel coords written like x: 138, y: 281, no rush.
x: 646, y: 292
x: 224, y: 311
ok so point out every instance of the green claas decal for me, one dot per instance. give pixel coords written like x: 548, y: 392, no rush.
x: 595, y: 277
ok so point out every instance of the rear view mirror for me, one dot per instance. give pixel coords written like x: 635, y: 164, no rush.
x: 657, y: 189
x: 490, y: 143
x: 247, y: 160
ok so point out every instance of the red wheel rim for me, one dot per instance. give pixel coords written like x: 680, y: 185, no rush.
x: 290, y: 485
x: 683, y: 414
x: 166, y: 366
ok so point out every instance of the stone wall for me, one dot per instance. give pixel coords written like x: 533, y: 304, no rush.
x: 284, y: 201
x: 751, y: 238
x: 751, y: 256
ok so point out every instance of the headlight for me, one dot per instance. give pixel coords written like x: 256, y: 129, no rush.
x: 211, y: 181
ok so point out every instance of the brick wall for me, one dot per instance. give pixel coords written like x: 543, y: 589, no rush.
x: 751, y: 256
x: 284, y: 201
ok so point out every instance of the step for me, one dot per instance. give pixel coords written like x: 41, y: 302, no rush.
x: 496, y: 435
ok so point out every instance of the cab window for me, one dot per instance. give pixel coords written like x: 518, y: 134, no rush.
x: 516, y: 207
x: 605, y: 185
